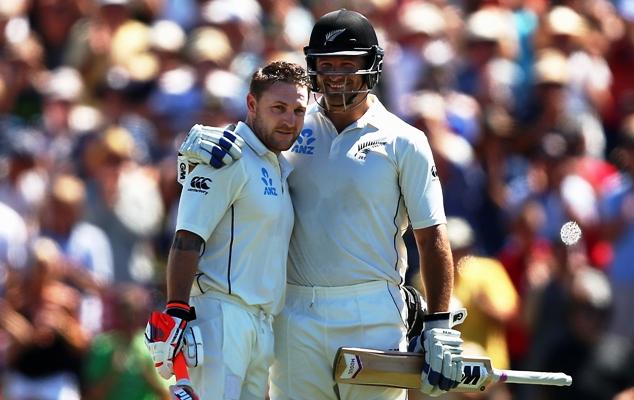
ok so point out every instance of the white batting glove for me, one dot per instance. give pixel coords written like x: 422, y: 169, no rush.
x: 164, y: 336
x: 442, y: 345
x: 213, y: 146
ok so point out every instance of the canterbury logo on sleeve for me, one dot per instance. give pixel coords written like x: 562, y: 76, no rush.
x: 200, y: 184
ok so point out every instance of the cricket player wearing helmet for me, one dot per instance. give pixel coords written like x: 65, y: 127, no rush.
x: 361, y: 176
x: 228, y: 259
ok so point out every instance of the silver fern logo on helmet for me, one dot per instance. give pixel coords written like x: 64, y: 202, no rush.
x: 332, y: 35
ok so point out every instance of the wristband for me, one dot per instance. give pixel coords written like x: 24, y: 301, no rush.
x: 180, y: 309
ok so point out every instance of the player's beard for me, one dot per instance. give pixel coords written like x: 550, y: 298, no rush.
x: 269, y: 137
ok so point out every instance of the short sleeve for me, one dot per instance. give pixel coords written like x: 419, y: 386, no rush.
x: 207, y: 195
x: 419, y: 182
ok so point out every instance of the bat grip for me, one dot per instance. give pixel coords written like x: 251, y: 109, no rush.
x: 534, y: 377
x: 180, y: 367
x: 183, y: 389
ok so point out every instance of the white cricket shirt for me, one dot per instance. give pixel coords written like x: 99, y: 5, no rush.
x: 353, y: 195
x: 245, y: 215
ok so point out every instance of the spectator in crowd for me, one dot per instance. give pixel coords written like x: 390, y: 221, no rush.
x: 60, y: 90
x: 23, y: 185
x: 527, y: 257
x: 586, y: 352
x: 82, y: 243
x: 53, y: 21
x: 484, y: 288
x: 124, y: 200
x: 47, y: 342
x: 14, y: 238
x: 85, y: 247
x: 118, y: 365
x: 618, y: 228
x: 588, y: 75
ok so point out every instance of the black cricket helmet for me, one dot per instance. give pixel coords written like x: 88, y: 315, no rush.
x: 345, y: 33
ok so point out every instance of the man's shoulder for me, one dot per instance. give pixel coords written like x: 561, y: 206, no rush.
x: 237, y: 168
x: 386, y: 120
x: 402, y: 132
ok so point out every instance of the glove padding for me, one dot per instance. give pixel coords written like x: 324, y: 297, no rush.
x: 193, y: 346
x: 213, y: 146
x: 442, y: 345
x: 164, y: 335
x: 416, y: 310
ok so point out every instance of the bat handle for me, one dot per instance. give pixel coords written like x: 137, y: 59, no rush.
x: 534, y: 377
x: 180, y: 367
x: 183, y: 389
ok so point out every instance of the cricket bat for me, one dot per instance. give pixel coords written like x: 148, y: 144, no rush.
x: 182, y: 390
x: 402, y: 370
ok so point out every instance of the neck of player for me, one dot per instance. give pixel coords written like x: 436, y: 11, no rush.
x: 341, y: 119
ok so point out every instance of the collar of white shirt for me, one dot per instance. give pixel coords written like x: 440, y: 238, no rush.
x: 251, y: 139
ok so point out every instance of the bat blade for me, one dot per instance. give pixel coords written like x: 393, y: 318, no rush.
x: 377, y: 368
x: 402, y: 370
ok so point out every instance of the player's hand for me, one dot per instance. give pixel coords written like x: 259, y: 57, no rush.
x: 442, y: 345
x: 213, y: 146
x: 164, y: 335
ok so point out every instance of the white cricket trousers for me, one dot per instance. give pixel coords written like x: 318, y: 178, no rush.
x: 316, y: 321
x: 238, y: 348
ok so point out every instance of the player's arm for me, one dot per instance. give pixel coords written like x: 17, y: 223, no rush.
x: 422, y: 195
x: 182, y: 264
x: 440, y: 343
x: 206, y: 196
x: 436, y: 266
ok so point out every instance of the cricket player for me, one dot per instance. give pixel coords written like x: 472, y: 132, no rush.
x: 361, y: 176
x: 228, y: 259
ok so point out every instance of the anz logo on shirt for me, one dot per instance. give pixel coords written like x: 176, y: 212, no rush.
x: 269, y: 190
x: 303, y: 143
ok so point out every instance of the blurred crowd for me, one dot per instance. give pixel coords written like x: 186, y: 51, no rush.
x: 528, y: 106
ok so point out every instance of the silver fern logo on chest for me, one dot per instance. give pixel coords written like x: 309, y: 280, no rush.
x: 365, y: 147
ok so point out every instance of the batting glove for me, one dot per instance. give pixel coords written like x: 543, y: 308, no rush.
x: 193, y: 346
x: 217, y: 147
x: 164, y: 335
x: 442, y: 346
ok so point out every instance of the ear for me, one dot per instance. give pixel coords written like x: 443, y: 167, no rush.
x: 252, y: 103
